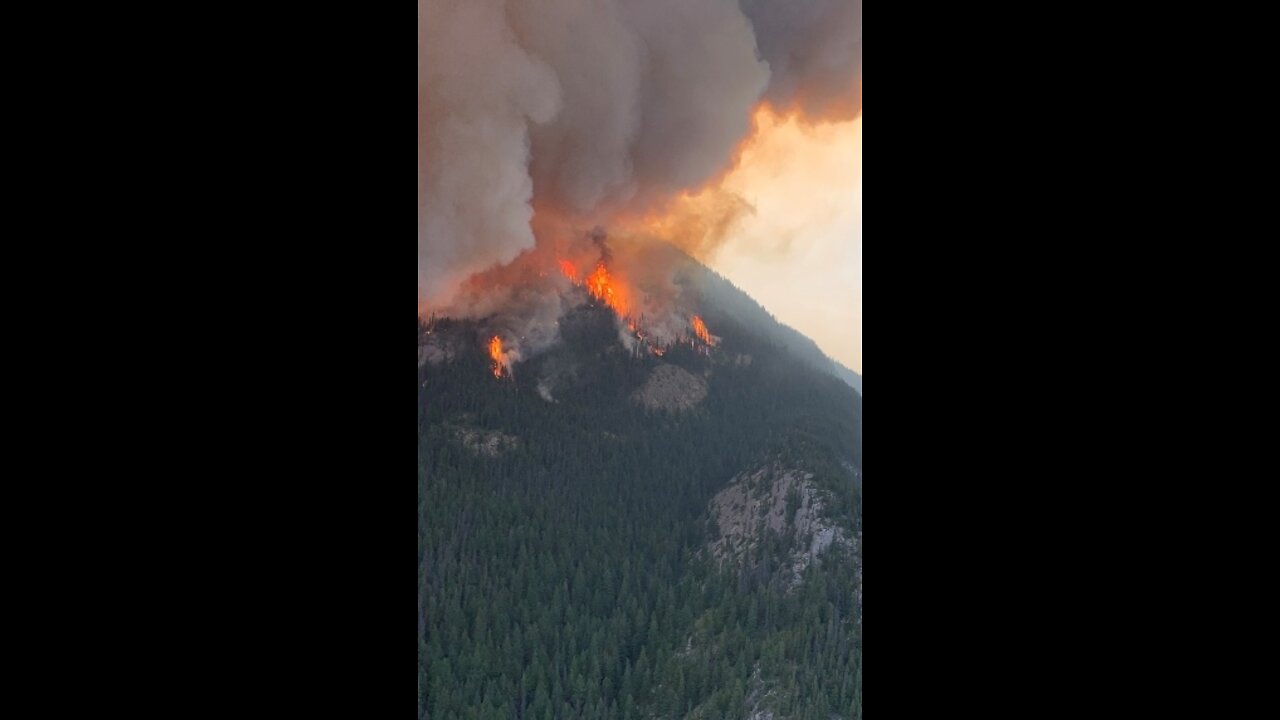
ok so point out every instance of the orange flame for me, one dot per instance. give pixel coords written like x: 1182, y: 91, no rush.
x: 496, y: 354
x: 608, y: 289
x: 700, y: 329
x: 605, y: 289
x: 569, y: 271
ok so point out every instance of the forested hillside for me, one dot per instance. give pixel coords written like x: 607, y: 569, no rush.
x: 565, y: 567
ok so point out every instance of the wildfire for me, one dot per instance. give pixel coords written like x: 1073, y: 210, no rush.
x: 605, y: 289
x: 610, y: 290
x: 569, y: 271
x: 700, y: 329
x: 602, y: 286
x: 497, y: 355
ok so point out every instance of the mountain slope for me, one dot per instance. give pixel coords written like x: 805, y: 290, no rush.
x: 568, y: 515
x: 853, y: 379
x: 736, y: 304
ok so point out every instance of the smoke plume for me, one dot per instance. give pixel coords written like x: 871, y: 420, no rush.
x: 593, y: 110
x: 478, y: 92
x: 814, y: 49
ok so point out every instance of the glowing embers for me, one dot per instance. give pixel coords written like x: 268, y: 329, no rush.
x: 498, y: 356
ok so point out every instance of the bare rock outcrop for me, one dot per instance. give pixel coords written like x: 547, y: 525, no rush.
x: 671, y: 389
x: 774, y: 500
x: 489, y: 443
x: 434, y: 349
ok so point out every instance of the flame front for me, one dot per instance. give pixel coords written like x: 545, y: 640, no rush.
x: 496, y: 354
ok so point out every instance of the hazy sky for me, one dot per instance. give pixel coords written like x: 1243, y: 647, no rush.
x: 800, y: 254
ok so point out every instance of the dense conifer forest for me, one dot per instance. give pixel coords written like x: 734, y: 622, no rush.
x: 565, y: 575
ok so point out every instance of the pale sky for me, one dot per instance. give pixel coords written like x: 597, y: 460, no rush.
x: 800, y: 254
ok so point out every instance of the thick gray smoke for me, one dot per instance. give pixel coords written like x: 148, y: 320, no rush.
x: 585, y: 108
x: 478, y: 91
x: 814, y: 50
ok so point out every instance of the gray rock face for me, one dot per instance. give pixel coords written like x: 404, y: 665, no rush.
x: 671, y: 389
x: 775, y: 501
x: 433, y: 349
x: 488, y: 443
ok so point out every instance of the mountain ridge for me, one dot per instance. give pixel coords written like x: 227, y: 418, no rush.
x: 566, y: 508
x: 746, y: 309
